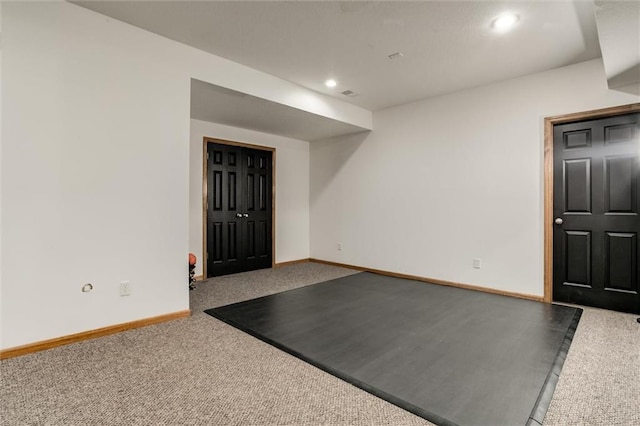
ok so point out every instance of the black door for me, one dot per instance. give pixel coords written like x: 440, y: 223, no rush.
x: 596, y: 194
x: 239, y: 209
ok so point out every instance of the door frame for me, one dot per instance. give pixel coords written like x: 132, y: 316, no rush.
x: 549, y: 122
x: 205, y: 166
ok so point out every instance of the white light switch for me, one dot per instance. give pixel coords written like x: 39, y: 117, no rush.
x: 477, y: 263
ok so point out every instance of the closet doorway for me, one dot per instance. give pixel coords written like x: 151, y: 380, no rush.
x: 238, y: 207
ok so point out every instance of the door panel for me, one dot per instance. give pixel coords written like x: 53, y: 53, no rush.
x: 621, y: 261
x: 264, y: 239
x: 223, y: 189
x: 578, y: 258
x: 232, y: 241
x: 259, y: 208
x: 577, y: 178
x: 620, y: 186
x: 595, y: 245
x: 620, y: 132
x: 577, y: 139
x: 239, y: 209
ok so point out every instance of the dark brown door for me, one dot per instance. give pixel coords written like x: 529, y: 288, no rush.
x: 239, y: 209
x: 596, y: 223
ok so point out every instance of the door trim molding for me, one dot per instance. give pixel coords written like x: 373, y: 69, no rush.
x: 207, y: 140
x: 549, y: 122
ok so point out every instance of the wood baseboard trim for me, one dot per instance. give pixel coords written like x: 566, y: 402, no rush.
x: 433, y: 281
x: 291, y: 262
x: 199, y: 277
x: 91, y: 334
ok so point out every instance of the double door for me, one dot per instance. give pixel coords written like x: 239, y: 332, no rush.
x: 596, y: 213
x: 239, y: 209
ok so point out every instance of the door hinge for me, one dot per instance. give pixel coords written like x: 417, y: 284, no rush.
x: 207, y: 155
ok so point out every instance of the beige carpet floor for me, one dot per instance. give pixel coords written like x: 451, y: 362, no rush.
x: 200, y: 371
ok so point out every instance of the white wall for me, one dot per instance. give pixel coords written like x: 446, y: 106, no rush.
x: 95, y: 167
x: 292, y: 188
x: 1, y: 210
x: 94, y: 174
x: 445, y: 180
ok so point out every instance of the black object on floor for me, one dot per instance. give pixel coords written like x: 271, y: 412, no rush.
x: 449, y: 355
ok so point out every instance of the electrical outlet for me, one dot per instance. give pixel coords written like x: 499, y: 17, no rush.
x: 477, y: 263
x: 125, y: 288
x: 339, y: 246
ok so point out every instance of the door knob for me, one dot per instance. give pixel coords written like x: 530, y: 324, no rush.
x: 245, y: 215
x: 238, y: 214
x: 559, y: 221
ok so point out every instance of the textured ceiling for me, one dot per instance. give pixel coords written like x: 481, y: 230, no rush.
x: 446, y: 46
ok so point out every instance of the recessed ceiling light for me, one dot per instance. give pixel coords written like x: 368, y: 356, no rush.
x: 331, y: 83
x: 505, y: 21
